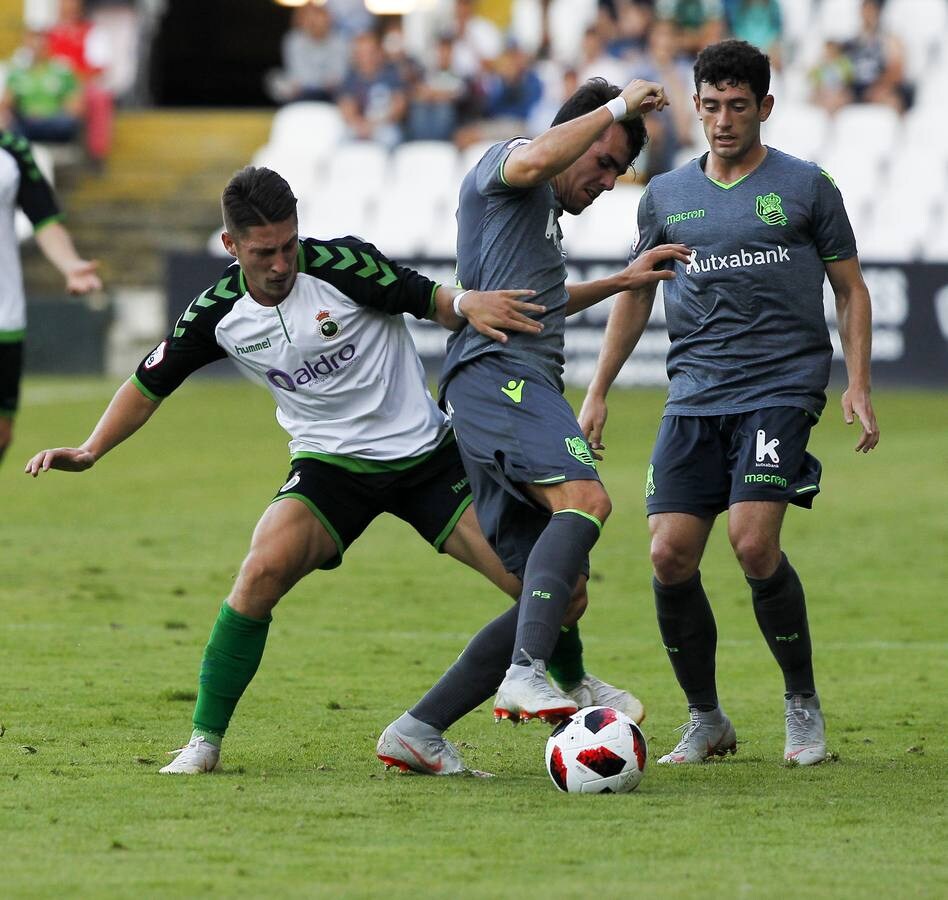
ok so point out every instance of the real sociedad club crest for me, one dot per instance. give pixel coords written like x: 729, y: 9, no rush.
x: 328, y: 327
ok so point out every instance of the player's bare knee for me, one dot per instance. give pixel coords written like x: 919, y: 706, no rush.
x: 758, y: 556
x: 672, y: 562
x: 592, y: 499
x: 265, y: 577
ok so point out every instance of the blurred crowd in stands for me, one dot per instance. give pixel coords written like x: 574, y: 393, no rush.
x: 453, y: 73
x: 60, y: 84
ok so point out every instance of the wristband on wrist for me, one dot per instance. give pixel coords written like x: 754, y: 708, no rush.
x: 457, y: 304
x: 618, y: 108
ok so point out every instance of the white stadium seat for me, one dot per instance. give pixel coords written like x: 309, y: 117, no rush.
x: 297, y: 166
x: 315, y: 125
x: 334, y: 211
x: 403, y: 221
x: 838, y: 20
x: 362, y: 167
x: 605, y: 229
x: 798, y: 129
x: 866, y: 128
x: 428, y: 168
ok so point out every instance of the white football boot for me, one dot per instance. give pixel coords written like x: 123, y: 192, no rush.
x: 526, y: 694
x: 198, y: 757
x: 592, y: 691
x: 704, y: 735
x: 806, y: 731
x: 431, y: 755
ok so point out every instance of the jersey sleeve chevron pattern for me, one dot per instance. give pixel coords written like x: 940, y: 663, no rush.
x: 34, y: 194
x: 192, y: 342
x: 365, y: 275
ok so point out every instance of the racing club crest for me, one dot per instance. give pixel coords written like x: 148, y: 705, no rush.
x: 327, y: 326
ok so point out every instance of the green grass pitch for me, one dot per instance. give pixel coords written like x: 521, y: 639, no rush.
x: 111, y: 580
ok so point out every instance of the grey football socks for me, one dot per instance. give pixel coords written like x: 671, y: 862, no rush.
x: 473, y: 678
x: 552, y: 570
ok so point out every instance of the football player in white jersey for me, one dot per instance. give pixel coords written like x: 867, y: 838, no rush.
x: 23, y: 186
x: 320, y: 325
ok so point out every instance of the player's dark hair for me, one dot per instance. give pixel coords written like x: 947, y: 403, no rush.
x: 256, y: 196
x: 734, y: 62
x: 595, y: 93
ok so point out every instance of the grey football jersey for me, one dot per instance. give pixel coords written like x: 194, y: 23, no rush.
x: 745, y: 316
x: 510, y: 238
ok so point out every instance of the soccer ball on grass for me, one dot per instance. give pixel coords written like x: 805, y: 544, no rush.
x: 598, y: 750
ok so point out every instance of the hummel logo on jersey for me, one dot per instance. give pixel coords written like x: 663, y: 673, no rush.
x: 253, y: 348
x: 514, y: 390
x: 769, y: 210
x: 739, y: 260
x: 767, y: 448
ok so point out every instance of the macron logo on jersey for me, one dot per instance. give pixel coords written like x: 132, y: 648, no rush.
x: 742, y: 259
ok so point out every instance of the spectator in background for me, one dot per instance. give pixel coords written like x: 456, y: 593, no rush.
x: 315, y: 56
x: 558, y: 84
x: 440, y: 99
x: 629, y: 37
x: 670, y: 129
x: 700, y: 22
x: 878, y: 62
x: 42, y: 100
x: 351, y: 17
x: 595, y: 62
x: 75, y: 40
x: 758, y: 22
x: 477, y: 41
x: 513, y: 90
x: 372, y: 98
x: 831, y: 78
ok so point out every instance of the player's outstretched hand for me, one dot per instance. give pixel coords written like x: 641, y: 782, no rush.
x: 69, y: 459
x: 592, y: 421
x: 491, y: 311
x: 642, y: 272
x: 83, y: 278
x: 643, y: 96
x: 856, y: 404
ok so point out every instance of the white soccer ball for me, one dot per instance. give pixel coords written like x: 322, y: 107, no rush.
x: 598, y: 750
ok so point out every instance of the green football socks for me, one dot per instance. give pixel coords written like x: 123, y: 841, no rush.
x: 230, y: 661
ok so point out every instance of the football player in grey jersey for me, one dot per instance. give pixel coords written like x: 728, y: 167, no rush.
x: 748, y: 366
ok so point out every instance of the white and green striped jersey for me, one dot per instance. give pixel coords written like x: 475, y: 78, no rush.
x: 22, y: 186
x: 335, y: 354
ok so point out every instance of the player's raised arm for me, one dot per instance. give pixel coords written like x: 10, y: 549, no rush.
x: 489, y: 312
x: 558, y: 148
x: 627, y: 321
x: 854, y: 320
x: 125, y: 414
x: 641, y: 273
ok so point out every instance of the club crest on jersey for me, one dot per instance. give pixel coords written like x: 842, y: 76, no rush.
x: 769, y: 210
x: 327, y: 326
